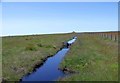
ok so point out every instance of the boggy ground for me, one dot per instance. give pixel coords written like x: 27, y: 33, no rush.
x: 20, y: 54
x: 91, y: 58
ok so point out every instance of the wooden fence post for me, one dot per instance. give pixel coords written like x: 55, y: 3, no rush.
x: 115, y: 37
x: 111, y: 36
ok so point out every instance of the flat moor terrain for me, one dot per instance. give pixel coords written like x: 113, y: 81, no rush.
x: 93, y: 58
x: 21, y: 54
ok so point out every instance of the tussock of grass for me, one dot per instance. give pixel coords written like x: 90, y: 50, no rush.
x: 46, y: 46
x: 31, y: 47
x: 39, y: 45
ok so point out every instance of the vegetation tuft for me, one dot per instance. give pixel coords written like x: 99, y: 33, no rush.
x: 39, y: 45
x: 31, y: 47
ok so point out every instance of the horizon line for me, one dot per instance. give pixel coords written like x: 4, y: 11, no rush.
x: 12, y: 35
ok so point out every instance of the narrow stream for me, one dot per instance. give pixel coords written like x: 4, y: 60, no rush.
x: 49, y: 70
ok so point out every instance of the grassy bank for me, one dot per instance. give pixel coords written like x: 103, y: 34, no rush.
x: 21, y: 53
x: 94, y: 57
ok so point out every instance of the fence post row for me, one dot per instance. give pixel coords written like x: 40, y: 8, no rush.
x: 111, y: 36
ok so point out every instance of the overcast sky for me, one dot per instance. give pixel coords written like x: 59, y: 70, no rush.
x: 43, y: 18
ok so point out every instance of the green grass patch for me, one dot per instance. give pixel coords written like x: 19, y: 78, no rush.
x: 95, y: 58
x: 31, y: 47
x: 21, y: 53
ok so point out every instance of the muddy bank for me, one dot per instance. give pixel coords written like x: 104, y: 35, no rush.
x: 37, y: 65
x: 68, y: 70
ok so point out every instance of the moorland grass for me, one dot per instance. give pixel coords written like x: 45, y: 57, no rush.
x: 21, y: 53
x: 95, y: 58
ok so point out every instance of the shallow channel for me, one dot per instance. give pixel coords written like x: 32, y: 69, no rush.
x: 49, y: 70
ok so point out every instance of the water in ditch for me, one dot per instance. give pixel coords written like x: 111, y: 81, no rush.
x: 49, y: 70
